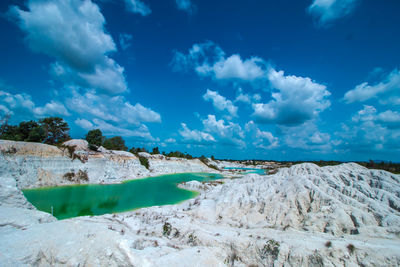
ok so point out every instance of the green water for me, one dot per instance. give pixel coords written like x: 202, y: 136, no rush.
x: 248, y: 170
x: 80, y: 200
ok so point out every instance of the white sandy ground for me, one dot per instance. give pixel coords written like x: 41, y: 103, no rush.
x: 284, y: 219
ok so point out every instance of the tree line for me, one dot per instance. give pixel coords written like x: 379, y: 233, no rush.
x: 55, y: 131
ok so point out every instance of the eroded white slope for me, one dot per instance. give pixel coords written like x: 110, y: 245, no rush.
x: 344, y: 199
x: 284, y: 219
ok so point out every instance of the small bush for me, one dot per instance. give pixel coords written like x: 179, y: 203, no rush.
x: 271, y: 248
x: 11, y: 150
x: 77, y: 177
x: 69, y: 176
x: 144, y: 161
x: 83, y: 176
x: 167, y: 227
x: 328, y: 244
x: 351, y: 248
x: 192, y: 240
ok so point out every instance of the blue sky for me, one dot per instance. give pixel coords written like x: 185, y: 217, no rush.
x: 283, y: 80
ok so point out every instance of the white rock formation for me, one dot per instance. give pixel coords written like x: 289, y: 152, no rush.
x: 305, y: 215
x: 36, y: 165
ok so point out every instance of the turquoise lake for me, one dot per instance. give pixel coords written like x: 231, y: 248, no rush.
x: 248, y: 170
x: 80, y: 200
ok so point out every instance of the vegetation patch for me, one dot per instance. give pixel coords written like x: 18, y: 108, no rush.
x: 351, y: 248
x: 144, y: 161
x: 80, y: 176
x: 207, y: 163
x: 167, y: 228
x: 192, y: 240
x: 269, y: 250
x: 328, y: 244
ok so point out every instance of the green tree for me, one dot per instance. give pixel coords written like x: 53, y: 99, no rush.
x: 95, y: 137
x: 9, y: 132
x: 25, y: 128
x: 155, y: 151
x: 133, y: 150
x: 37, y: 134
x: 115, y: 143
x: 56, y: 130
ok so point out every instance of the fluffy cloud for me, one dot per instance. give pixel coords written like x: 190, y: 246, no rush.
x: 388, y: 118
x: 208, y: 59
x: 326, y: 11
x: 185, y: 5
x: 53, y: 28
x: 371, y: 132
x: 108, y: 129
x: 306, y: 137
x: 246, y: 98
x: 261, y: 139
x: 22, y: 105
x: 234, y: 67
x: 387, y: 90
x: 137, y: 6
x: 195, y: 136
x: 51, y: 108
x: 226, y: 133
x: 114, y: 115
x: 84, y: 124
x: 295, y: 100
x: 220, y: 102
x: 111, y: 108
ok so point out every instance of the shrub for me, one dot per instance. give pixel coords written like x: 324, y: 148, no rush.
x: 144, y: 161
x: 167, y: 227
x: 83, y: 176
x: 328, y: 244
x: 351, y: 248
x: 192, y: 240
x: 76, y: 177
x: 271, y: 248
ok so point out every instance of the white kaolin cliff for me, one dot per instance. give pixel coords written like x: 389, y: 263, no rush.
x: 343, y: 215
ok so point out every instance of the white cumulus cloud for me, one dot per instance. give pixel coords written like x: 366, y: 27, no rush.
x: 388, y: 90
x: 388, y: 118
x: 228, y: 133
x: 111, y: 108
x: 22, y: 105
x: 220, y: 102
x: 326, y: 11
x: 195, y: 136
x: 53, y: 28
x: 208, y: 59
x: 295, y: 100
x: 261, y: 139
x: 371, y: 132
x: 137, y: 6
